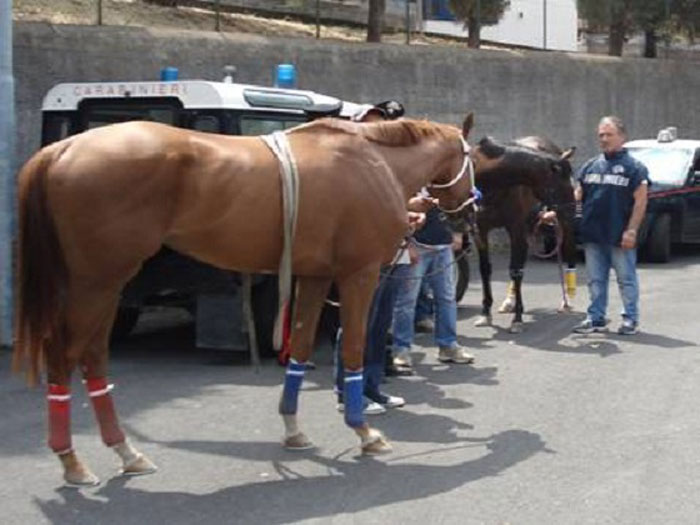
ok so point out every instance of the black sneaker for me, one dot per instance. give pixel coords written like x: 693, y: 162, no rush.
x: 588, y: 326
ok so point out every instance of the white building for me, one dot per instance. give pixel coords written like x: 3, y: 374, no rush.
x: 541, y: 24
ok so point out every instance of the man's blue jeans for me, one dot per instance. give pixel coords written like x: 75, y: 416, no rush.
x: 600, y: 258
x: 424, y: 304
x: 379, y: 321
x: 436, y: 266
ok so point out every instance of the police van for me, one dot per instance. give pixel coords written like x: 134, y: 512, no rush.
x: 673, y: 209
x: 212, y: 295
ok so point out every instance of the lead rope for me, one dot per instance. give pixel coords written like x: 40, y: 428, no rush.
x: 559, y: 234
x: 289, y: 176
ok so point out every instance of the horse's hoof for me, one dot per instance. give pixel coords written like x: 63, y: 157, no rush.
x: 483, y: 320
x: 375, y: 444
x: 139, y: 467
x: 506, y: 308
x: 75, y: 473
x: 516, y: 328
x: 297, y: 442
x: 565, y: 309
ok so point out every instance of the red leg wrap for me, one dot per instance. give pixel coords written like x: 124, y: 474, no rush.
x: 286, y: 351
x: 98, y: 389
x: 59, y: 419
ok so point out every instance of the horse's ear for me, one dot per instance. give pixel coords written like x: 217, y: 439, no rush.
x: 467, y: 125
x: 568, y: 153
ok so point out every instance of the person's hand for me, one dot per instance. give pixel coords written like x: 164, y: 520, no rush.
x: 413, y: 254
x: 629, y: 239
x: 456, y: 242
x: 421, y: 203
x: 548, y: 217
x: 416, y: 220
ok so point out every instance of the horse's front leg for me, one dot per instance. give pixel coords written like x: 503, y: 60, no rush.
x: 516, y: 276
x: 356, y: 292
x: 485, y: 269
x: 508, y: 304
x: 310, y: 294
x: 568, y: 253
x: 518, y: 255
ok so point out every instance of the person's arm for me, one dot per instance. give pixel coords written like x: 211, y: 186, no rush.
x: 421, y: 204
x: 629, y: 236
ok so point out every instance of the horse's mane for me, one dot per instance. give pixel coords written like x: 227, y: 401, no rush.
x: 538, y: 143
x: 403, y: 132
x: 493, y: 150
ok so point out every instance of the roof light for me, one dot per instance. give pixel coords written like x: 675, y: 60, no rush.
x: 168, y: 74
x: 286, y: 76
x: 668, y: 134
x: 276, y: 99
x: 229, y: 72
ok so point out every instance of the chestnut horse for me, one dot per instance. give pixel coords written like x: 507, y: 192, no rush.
x: 515, y: 209
x: 95, y: 206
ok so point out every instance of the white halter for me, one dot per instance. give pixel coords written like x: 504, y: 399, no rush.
x: 467, y: 165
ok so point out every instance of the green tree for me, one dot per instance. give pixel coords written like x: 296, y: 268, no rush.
x: 611, y: 16
x: 375, y: 20
x: 651, y: 17
x: 621, y: 18
x: 478, y: 13
x: 686, y: 17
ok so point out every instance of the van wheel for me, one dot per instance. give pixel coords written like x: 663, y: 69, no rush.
x: 124, y: 322
x: 461, y: 268
x: 659, y: 242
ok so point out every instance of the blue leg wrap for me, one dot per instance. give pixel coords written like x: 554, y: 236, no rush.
x: 292, y: 383
x: 354, y: 416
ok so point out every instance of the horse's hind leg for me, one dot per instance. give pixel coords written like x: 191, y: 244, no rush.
x: 59, y: 369
x: 311, y: 292
x: 485, y: 318
x: 94, y: 366
x: 356, y: 293
x: 89, y: 320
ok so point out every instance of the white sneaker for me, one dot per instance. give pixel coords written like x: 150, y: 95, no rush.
x: 394, y: 402
x: 371, y: 408
x: 456, y: 354
x: 402, y: 359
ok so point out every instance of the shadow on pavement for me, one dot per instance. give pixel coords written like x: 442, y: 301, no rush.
x: 350, y: 486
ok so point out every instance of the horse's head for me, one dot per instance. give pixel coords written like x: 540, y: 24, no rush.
x: 558, y: 191
x: 453, y: 181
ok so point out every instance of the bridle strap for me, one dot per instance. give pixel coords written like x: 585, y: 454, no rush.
x: 466, y: 165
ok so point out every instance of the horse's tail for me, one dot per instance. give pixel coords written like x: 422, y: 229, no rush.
x: 42, y: 273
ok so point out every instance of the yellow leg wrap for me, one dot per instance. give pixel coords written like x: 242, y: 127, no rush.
x: 570, y: 281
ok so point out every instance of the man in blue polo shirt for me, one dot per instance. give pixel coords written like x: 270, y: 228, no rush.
x: 612, y: 188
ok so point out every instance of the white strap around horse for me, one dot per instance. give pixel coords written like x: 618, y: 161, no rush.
x: 467, y: 168
x: 289, y: 175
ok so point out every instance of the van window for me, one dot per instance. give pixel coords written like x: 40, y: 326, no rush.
x: 101, y: 112
x: 260, y: 125
x: 56, y: 126
x: 208, y: 123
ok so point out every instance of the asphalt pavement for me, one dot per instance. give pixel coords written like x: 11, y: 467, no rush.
x: 546, y: 428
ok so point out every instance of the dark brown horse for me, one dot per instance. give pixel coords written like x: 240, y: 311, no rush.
x: 94, y: 206
x: 515, y: 208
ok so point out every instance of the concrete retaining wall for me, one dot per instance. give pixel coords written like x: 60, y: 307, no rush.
x: 512, y: 93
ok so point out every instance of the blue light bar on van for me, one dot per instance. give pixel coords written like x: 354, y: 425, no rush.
x: 168, y: 74
x: 286, y: 76
x: 276, y: 99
